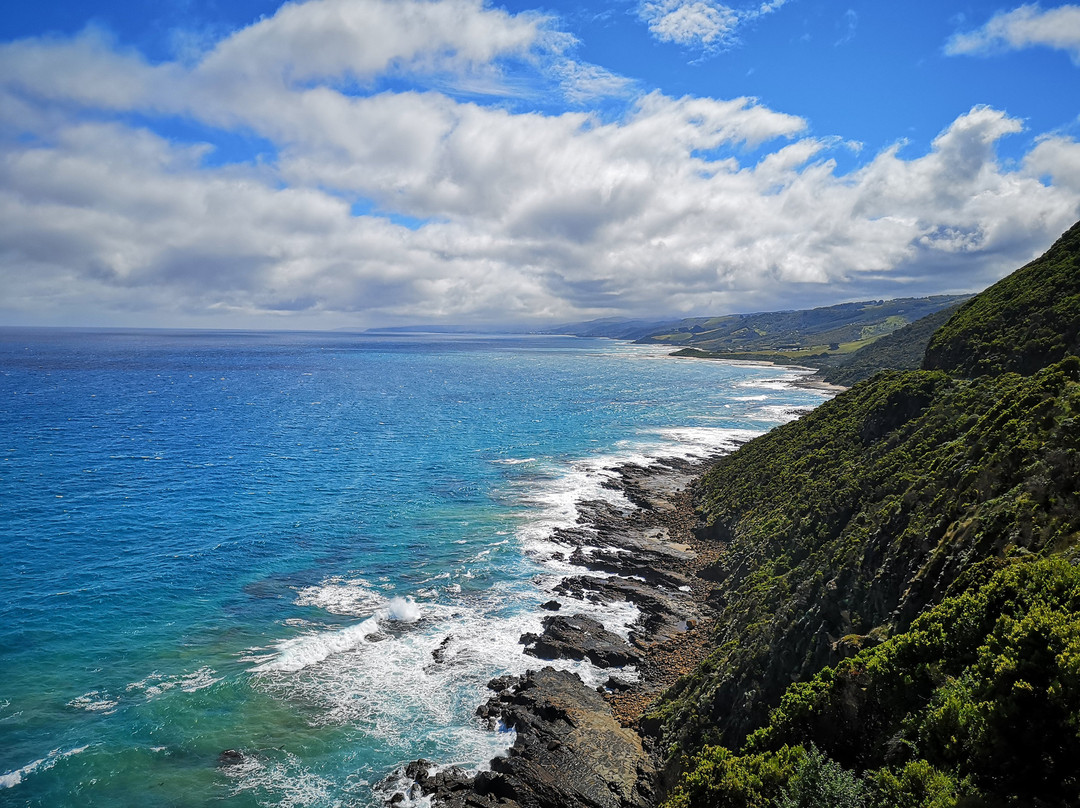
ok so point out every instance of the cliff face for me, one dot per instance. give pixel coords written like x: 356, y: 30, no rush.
x: 842, y: 531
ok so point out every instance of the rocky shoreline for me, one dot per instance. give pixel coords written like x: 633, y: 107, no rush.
x: 576, y: 746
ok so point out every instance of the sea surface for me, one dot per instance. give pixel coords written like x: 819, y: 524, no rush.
x: 254, y: 541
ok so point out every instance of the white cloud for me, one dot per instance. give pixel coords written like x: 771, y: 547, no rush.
x: 87, y: 70
x: 358, y: 39
x: 703, y: 24
x: 586, y: 82
x: 525, y: 215
x: 313, y: 45
x: 690, y: 22
x: 1023, y: 27
x: 1057, y: 158
x: 849, y: 25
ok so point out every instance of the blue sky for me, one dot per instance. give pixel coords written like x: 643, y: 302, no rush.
x: 367, y: 162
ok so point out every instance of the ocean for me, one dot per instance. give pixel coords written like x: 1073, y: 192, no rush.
x: 254, y: 541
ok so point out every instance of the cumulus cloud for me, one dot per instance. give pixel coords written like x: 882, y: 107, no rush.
x: 1023, y: 27
x: 473, y: 211
x: 1056, y: 158
x: 703, y: 24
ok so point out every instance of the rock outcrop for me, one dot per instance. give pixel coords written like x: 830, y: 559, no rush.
x: 579, y: 637
x: 578, y: 747
x: 570, y: 752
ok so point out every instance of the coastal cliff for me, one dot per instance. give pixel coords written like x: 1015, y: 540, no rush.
x: 875, y: 605
x: 899, y: 598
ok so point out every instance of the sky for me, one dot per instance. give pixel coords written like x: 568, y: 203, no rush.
x: 365, y: 163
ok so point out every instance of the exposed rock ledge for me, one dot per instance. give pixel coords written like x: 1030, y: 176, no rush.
x: 579, y: 637
x: 575, y: 747
x: 569, y: 751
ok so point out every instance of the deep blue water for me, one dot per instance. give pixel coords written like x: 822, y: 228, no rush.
x: 253, y: 541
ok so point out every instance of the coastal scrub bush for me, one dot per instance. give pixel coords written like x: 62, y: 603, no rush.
x: 919, y: 785
x: 719, y: 778
x: 1022, y: 323
x: 819, y: 782
x: 981, y: 695
x: 899, y: 554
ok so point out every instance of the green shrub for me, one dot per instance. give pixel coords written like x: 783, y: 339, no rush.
x: 819, y: 782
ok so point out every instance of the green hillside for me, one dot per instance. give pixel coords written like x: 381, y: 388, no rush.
x: 900, y: 350
x: 1022, y: 323
x: 900, y: 609
x: 810, y: 337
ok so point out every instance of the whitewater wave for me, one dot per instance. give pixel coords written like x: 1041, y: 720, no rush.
x: 95, y: 701
x: 342, y: 596
x: 310, y: 649
x: 279, y: 778
x: 12, y: 779
x: 778, y: 413
x: 413, y: 670
x: 552, y: 501
x: 426, y: 682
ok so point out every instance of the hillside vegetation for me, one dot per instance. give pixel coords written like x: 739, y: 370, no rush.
x: 900, y: 608
x: 1022, y: 323
x: 901, y: 350
x: 809, y: 336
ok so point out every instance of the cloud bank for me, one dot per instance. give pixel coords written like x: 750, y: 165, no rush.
x: 373, y: 205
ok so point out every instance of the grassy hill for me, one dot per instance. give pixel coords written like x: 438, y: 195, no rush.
x: 901, y: 350
x: 898, y: 584
x: 814, y: 337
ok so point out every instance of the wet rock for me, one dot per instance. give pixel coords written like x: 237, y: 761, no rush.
x: 439, y: 654
x: 569, y: 753
x: 640, y: 563
x: 614, y: 684
x: 574, y: 745
x: 579, y: 637
x: 422, y: 778
x: 663, y: 613
x: 230, y: 757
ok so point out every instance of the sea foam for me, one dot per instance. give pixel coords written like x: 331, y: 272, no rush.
x: 12, y: 779
x: 309, y: 649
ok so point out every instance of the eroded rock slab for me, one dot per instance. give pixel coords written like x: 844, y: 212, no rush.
x: 579, y: 637
x: 569, y: 752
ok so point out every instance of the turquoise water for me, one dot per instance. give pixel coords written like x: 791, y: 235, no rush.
x: 254, y: 541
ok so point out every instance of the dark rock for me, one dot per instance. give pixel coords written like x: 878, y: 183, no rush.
x: 614, y: 684
x: 641, y: 564
x: 439, y: 654
x: 663, y: 613
x: 579, y: 637
x: 569, y: 753
x: 230, y: 757
x: 453, y: 786
x: 569, y: 750
x: 501, y: 684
